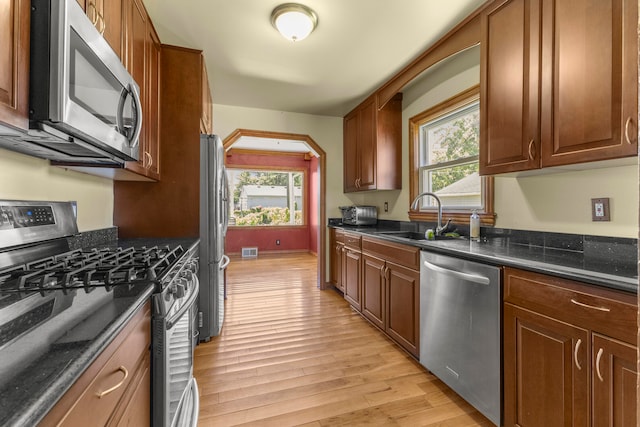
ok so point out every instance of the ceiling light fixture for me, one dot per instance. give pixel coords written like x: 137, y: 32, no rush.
x: 294, y: 21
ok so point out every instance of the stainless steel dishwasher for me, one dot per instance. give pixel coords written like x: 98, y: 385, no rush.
x: 460, y: 328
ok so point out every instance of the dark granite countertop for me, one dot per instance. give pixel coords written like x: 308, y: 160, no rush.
x: 607, y: 262
x: 62, y: 347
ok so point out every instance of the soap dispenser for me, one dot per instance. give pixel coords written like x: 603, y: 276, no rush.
x: 474, y: 226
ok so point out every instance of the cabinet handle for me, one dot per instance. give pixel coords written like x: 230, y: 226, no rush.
x: 531, y: 152
x: 598, y: 357
x: 581, y: 304
x: 103, y: 25
x: 150, y: 162
x: 575, y: 354
x: 117, y: 386
x: 626, y: 130
x: 93, y: 17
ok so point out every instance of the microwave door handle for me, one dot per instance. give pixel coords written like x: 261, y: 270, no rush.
x: 136, y: 134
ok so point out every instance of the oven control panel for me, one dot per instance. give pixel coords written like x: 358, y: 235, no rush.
x: 25, y: 216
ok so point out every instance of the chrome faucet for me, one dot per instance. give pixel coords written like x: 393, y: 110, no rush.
x: 414, y: 206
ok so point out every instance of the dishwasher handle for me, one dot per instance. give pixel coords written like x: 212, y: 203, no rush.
x: 458, y: 274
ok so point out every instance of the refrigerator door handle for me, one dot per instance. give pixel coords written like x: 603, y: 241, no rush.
x: 225, y: 262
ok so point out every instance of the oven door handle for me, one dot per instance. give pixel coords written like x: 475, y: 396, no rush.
x: 196, y: 403
x: 186, y: 306
x: 225, y: 262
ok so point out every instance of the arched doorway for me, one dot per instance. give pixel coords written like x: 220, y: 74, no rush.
x: 236, y: 135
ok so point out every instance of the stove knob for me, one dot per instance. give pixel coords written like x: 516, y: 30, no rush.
x: 192, y: 265
x: 180, y: 290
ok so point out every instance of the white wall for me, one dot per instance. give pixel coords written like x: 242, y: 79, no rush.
x: 29, y: 178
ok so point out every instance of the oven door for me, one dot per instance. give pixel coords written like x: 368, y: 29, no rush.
x: 175, y: 393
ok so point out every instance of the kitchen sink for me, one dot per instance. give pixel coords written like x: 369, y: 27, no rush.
x: 414, y: 235
x: 404, y: 234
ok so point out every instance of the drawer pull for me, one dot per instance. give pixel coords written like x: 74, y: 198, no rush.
x: 598, y: 357
x: 117, y: 386
x: 593, y: 307
x: 575, y: 354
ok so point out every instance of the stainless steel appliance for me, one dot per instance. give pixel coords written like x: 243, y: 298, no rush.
x: 85, y: 107
x: 214, y: 217
x: 460, y: 328
x: 175, y: 391
x: 55, y: 300
x: 359, y: 215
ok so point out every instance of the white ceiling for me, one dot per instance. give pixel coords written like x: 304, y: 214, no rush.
x: 357, y: 46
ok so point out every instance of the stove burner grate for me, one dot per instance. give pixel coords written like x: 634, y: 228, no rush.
x: 88, y: 269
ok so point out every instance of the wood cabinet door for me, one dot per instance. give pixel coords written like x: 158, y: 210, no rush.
x: 206, y: 120
x: 335, y: 260
x: 151, y: 155
x: 403, y: 306
x: 14, y: 62
x: 546, y: 371
x: 352, y: 284
x: 509, y: 88
x: 111, y: 26
x: 614, y: 382
x: 351, y: 163
x: 589, y: 81
x: 373, y: 290
x: 367, y: 157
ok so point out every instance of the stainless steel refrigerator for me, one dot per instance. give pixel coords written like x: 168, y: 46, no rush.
x: 214, y: 216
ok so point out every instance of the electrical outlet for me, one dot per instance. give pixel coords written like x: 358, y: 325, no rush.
x: 278, y: 242
x: 600, y: 209
x: 386, y: 206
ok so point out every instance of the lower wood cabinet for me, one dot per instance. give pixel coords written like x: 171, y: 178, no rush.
x: 569, y: 353
x: 352, y: 262
x: 115, y: 390
x: 336, y: 249
x: 390, y: 291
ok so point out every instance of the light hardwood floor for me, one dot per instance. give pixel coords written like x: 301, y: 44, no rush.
x: 290, y: 354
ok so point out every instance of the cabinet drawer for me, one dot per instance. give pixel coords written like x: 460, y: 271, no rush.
x: 603, y: 310
x: 339, y: 235
x: 405, y: 255
x: 118, y: 370
x: 352, y: 241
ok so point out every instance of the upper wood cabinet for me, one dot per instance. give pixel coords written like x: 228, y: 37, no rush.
x: 206, y: 120
x: 106, y: 16
x: 14, y: 63
x: 181, y: 102
x: 372, y: 146
x: 569, y: 353
x: 558, y: 83
x: 142, y: 59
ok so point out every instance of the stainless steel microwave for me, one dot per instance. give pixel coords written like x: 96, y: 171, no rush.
x: 83, y: 104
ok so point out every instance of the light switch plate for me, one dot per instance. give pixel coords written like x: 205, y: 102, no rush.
x: 600, y: 209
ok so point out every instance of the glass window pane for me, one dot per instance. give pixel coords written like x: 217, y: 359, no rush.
x: 452, y: 137
x: 458, y: 186
x: 267, y: 198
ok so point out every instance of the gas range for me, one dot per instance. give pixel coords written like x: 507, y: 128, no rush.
x: 59, y: 307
